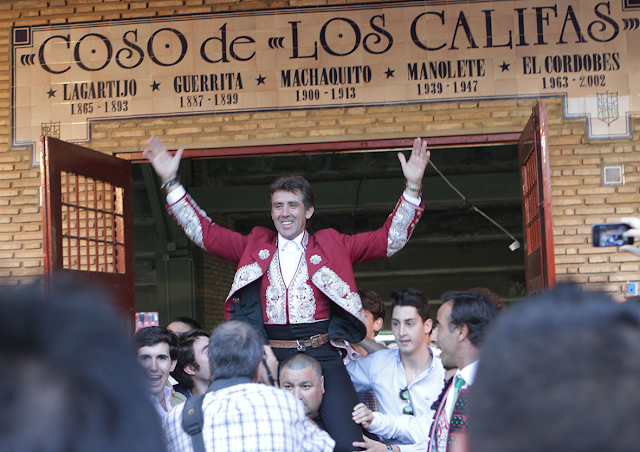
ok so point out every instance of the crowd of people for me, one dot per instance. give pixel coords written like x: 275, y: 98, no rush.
x: 296, y: 365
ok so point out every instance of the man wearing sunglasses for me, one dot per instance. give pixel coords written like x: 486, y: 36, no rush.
x: 407, y: 380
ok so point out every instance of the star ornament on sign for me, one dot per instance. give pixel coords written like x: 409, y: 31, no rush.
x: 505, y: 66
x: 260, y: 80
x: 155, y: 86
x: 389, y: 72
x: 51, y: 93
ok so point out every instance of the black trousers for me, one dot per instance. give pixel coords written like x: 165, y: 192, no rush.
x: 339, y: 394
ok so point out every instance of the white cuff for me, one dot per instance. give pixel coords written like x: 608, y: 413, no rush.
x: 412, y: 199
x: 176, y: 195
x: 374, y: 422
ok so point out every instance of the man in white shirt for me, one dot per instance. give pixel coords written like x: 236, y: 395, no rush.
x: 407, y: 380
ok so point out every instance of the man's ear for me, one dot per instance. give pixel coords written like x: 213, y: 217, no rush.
x: 377, y: 324
x: 428, y: 326
x: 322, y: 383
x: 173, y: 365
x: 189, y: 370
x: 257, y: 378
x: 463, y: 332
x: 309, y: 212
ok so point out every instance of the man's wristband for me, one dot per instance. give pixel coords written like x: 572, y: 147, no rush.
x: 415, y: 190
x: 389, y: 448
x: 170, y: 182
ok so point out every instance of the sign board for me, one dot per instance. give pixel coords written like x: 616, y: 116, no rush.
x: 587, y: 51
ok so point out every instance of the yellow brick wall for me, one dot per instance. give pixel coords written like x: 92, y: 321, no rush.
x: 578, y: 198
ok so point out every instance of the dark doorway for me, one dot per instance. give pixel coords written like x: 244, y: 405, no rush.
x: 453, y: 247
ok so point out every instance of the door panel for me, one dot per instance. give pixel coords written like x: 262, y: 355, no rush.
x: 87, y: 219
x: 535, y: 175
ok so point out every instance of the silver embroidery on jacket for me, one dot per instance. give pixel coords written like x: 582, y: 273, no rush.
x: 184, y: 211
x: 338, y: 291
x: 276, y: 304
x: 244, y: 276
x: 399, y: 232
x: 302, y: 302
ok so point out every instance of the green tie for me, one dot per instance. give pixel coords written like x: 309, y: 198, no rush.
x: 456, y: 390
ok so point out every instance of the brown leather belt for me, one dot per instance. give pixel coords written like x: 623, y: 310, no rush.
x: 314, y: 342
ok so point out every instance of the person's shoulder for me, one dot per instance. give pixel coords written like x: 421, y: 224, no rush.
x: 177, y: 398
x: 327, y: 233
x: 250, y: 390
x: 261, y: 231
x: 437, y: 368
x: 258, y: 395
x: 385, y: 355
x: 437, y: 361
x: 272, y: 392
x: 261, y: 236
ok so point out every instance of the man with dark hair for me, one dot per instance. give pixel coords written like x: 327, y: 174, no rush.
x: 461, y: 326
x: 406, y: 381
x: 192, y: 369
x: 157, y: 351
x: 240, y: 414
x: 298, y: 288
x: 180, y: 325
x: 301, y: 375
x: 373, y: 306
x: 69, y: 380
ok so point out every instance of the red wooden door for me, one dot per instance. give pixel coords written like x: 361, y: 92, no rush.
x: 88, y: 219
x: 535, y: 176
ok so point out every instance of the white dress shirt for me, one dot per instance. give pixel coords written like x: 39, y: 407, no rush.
x: 469, y: 375
x: 167, y: 400
x: 384, y: 373
x: 290, y: 252
x: 416, y: 429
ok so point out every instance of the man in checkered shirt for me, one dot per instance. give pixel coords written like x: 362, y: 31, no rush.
x: 241, y: 414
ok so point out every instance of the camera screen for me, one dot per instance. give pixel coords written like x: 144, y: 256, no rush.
x: 611, y: 235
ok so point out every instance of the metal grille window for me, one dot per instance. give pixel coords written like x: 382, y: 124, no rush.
x: 92, y: 224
